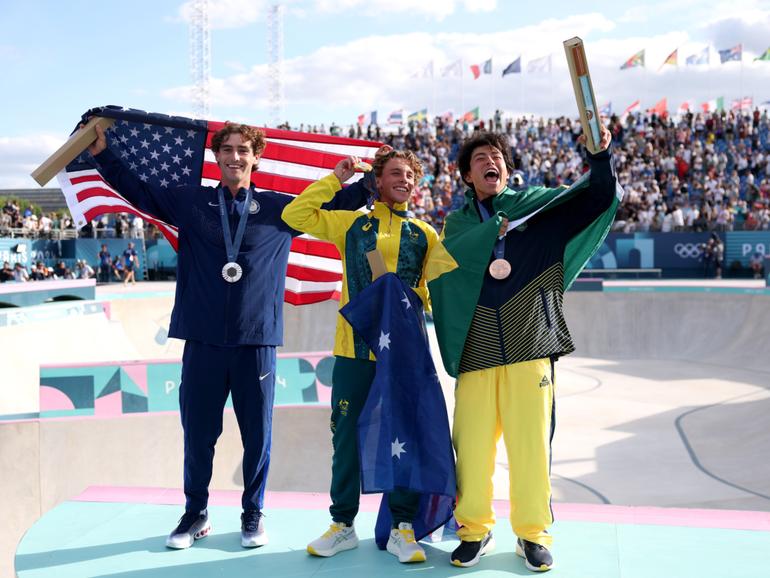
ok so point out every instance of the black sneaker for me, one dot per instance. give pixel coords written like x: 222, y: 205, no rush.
x: 468, y: 553
x: 536, y: 557
x: 192, y: 526
x: 253, y: 532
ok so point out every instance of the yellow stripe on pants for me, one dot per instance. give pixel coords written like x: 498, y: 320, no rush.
x: 516, y: 401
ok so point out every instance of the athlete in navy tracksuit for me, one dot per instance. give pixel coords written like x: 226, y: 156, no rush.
x: 231, y: 328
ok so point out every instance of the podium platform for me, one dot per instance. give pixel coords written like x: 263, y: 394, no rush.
x: 120, y: 532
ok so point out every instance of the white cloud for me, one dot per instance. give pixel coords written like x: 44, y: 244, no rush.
x: 438, y: 9
x: 239, y: 13
x: 480, y: 5
x: 19, y: 156
x: 749, y: 29
x: 380, y: 75
x: 635, y: 15
x: 229, y: 13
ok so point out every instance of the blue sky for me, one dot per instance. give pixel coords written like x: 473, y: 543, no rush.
x: 346, y: 57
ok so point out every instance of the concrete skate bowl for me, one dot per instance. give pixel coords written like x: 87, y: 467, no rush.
x: 728, y: 329
x: 664, y: 403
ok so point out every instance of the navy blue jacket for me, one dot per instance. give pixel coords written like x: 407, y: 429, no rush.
x: 206, y: 307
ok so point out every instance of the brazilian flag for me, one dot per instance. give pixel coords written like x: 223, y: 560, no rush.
x: 455, y: 268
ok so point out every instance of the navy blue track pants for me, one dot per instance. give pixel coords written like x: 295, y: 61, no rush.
x: 209, y: 373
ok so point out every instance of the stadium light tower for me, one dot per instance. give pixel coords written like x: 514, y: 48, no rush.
x: 275, y: 63
x: 200, y: 57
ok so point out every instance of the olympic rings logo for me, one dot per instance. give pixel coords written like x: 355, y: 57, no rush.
x: 688, y: 250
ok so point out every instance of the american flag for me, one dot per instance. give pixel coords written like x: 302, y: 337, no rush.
x: 170, y: 151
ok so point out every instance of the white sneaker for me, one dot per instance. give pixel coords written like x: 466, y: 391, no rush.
x: 192, y: 526
x: 337, y: 538
x: 402, y: 544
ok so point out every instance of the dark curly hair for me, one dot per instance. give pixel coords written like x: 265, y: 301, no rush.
x: 498, y: 141
x: 248, y: 133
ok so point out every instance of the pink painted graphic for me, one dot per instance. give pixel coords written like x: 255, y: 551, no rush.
x: 109, y: 405
x: 138, y: 374
x: 52, y: 399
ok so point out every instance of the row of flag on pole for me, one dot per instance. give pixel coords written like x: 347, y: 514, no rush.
x: 734, y: 53
x: 457, y: 69
x: 660, y: 108
x: 714, y: 105
x: 397, y: 117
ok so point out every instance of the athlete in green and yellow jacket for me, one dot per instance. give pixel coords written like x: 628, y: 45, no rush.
x: 497, y: 281
x: 404, y: 243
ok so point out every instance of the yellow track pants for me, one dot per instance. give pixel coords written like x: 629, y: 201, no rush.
x: 516, y: 401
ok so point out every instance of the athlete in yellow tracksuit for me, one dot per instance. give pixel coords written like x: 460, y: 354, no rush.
x: 404, y: 243
x: 505, y: 374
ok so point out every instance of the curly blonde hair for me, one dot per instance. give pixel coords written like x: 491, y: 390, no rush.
x: 380, y: 160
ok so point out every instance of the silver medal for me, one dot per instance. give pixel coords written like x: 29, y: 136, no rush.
x: 499, y: 268
x: 232, y: 272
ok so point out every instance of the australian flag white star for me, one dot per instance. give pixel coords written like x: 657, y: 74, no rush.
x: 403, y: 430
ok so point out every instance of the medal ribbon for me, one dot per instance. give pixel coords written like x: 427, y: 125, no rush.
x: 232, y: 246
x: 499, y: 249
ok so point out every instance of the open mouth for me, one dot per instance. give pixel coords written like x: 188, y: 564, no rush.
x: 491, y: 176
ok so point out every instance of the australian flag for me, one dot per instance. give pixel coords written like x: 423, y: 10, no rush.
x: 403, y: 430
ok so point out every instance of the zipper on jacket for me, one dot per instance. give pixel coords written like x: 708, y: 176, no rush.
x: 545, y: 307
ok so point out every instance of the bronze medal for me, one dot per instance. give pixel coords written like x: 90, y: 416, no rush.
x: 499, y: 269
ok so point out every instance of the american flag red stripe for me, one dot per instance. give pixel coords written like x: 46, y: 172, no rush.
x: 291, y: 161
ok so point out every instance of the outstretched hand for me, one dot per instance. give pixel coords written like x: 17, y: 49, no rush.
x: 604, y: 141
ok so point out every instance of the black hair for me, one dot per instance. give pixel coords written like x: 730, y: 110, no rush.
x: 498, y: 141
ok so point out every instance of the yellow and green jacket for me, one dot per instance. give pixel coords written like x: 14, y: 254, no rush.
x: 404, y: 243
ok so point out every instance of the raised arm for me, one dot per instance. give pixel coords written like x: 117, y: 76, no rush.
x: 580, y: 211
x: 157, y: 201
x: 308, y: 212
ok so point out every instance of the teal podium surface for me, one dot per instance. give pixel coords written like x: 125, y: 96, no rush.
x: 120, y: 532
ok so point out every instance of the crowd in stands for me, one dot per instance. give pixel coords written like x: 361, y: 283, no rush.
x: 693, y: 172
x: 40, y: 272
x: 28, y: 221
